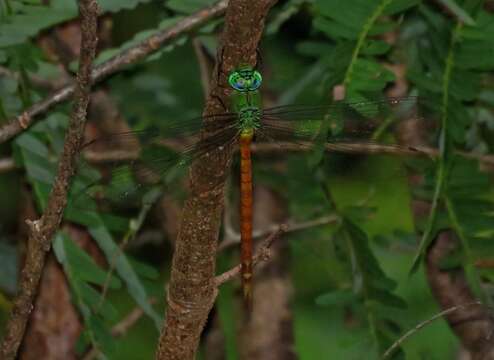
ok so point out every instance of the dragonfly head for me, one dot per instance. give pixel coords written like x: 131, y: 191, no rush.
x: 245, y: 78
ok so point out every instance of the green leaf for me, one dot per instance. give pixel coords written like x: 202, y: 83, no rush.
x: 136, y: 39
x: 461, y: 14
x: 454, y: 260
x: 143, y: 270
x: 335, y: 30
x: 87, y: 299
x: 369, y: 76
x: 188, y: 6
x: 375, y: 47
x: 386, y: 298
x: 397, y: 6
x: 100, y: 331
x: 28, y: 141
x: 117, y: 5
x: 28, y: 20
x: 8, y: 268
x: 34, y: 155
x: 87, y: 270
x: 336, y: 298
x: 125, y: 271
x: 375, y: 285
x: 289, y: 9
x: 92, y: 299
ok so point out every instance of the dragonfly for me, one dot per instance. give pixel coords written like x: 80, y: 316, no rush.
x: 337, y: 125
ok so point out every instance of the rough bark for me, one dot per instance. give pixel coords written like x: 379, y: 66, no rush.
x: 192, y: 290
x: 54, y: 325
x: 42, y: 231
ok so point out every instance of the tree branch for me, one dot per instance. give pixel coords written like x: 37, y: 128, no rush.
x: 262, y: 253
x: 122, y: 327
x: 42, y: 230
x: 423, y: 324
x: 234, y: 238
x: 192, y: 288
x: 112, y: 65
x: 340, y: 147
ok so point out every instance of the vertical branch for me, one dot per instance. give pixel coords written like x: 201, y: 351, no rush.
x: 192, y: 289
x: 42, y: 230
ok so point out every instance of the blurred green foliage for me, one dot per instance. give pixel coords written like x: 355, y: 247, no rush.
x: 353, y: 296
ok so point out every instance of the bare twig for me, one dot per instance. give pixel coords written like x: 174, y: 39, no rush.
x: 42, y: 230
x: 262, y: 254
x: 122, y: 327
x: 134, y: 227
x: 94, y: 157
x: 112, y: 65
x: 233, y: 238
x: 424, y: 323
x: 369, y: 148
x: 340, y: 147
x: 7, y: 165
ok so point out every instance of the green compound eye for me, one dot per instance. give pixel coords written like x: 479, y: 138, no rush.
x: 245, y: 79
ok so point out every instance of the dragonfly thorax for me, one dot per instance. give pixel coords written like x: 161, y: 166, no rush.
x: 249, y: 118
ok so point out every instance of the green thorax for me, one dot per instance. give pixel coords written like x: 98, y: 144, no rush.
x: 245, y: 99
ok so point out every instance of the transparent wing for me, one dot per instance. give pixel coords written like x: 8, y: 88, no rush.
x: 131, y: 162
x: 344, y: 109
x: 347, y: 126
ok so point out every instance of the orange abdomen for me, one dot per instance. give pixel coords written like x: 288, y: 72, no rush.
x: 246, y: 217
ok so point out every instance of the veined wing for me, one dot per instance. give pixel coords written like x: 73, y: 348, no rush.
x: 363, y: 109
x: 347, y: 126
x: 133, y: 160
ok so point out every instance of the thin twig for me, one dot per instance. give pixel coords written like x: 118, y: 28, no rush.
x: 7, y: 165
x: 424, y: 323
x: 261, y: 254
x: 42, y: 230
x: 135, y: 225
x: 127, y: 57
x: 122, y: 155
x: 234, y: 238
x: 367, y: 148
x: 122, y: 327
x: 340, y: 147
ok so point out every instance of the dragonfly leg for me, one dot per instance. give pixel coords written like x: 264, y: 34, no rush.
x: 219, y: 61
x: 259, y: 59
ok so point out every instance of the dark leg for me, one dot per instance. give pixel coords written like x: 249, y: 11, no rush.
x: 258, y: 60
